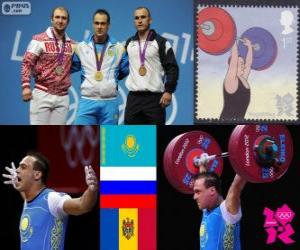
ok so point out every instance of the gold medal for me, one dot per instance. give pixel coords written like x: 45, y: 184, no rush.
x: 142, y: 70
x: 98, y: 76
x: 59, y: 70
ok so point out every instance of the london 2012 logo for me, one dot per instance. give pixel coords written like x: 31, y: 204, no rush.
x: 278, y: 224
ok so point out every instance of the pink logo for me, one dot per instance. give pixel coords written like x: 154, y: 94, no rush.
x: 277, y: 224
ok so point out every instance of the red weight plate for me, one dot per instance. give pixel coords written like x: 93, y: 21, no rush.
x: 216, y: 30
x: 168, y: 159
x: 179, y: 156
x: 234, y: 149
x: 189, y: 160
x: 242, y: 156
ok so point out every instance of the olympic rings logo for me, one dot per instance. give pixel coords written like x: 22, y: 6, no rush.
x: 284, y: 215
x: 271, y: 172
x: 79, y: 138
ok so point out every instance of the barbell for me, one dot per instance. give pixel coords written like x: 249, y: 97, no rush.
x: 258, y: 153
x: 216, y: 34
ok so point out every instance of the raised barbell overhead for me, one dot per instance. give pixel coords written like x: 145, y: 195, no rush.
x: 259, y: 153
x: 217, y: 34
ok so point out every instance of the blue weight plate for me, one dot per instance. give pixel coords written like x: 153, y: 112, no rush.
x: 264, y: 50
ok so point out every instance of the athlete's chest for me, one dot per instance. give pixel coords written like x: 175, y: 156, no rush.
x: 51, y: 47
x: 148, y: 49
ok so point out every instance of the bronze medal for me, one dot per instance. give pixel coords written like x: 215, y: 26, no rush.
x: 59, y: 70
x: 98, y: 76
x: 142, y: 54
x: 142, y: 70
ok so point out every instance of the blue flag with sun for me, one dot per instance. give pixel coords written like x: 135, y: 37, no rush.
x: 128, y: 146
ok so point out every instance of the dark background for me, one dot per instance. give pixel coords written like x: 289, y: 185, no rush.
x: 179, y: 217
x: 82, y: 231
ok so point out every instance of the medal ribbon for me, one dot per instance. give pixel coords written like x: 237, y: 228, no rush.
x: 60, y: 56
x: 143, y: 53
x: 99, y: 62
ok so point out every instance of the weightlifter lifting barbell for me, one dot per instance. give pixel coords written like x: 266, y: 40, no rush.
x: 258, y: 153
x: 255, y: 49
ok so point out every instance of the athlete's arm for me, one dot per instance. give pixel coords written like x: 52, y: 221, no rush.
x: 249, y: 57
x: 232, y: 201
x: 231, y: 80
x: 76, y: 63
x: 170, y: 66
x: 30, y: 58
x: 86, y: 202
x: 123, y: 65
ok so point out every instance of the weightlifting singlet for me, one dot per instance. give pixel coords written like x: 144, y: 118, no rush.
x: 39, y: 229
x: 217, y: 234
x: 236, y: 104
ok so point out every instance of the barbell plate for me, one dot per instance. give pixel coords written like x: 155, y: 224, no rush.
x: 241, y: 148
x: 265, y: 47
x: 179, y: 157
x: 234, y: 148
x: 168, y: 158
x: 221, y: 36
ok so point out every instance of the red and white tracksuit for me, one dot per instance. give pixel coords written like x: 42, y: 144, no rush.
x: 50, y: 101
